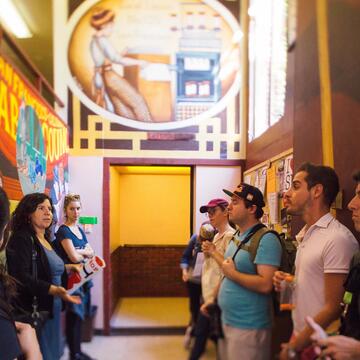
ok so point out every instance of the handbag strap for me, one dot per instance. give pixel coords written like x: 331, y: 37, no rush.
x: 35, y: 312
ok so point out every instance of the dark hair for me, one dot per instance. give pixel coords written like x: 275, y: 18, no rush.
x: 4, y: 211
x: 324, y: 175
x: 27, y: 206
x: 356, y: 176
x: 259, y: 211
x: 7, y: 281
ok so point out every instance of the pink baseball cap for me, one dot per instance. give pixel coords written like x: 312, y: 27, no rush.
x: 212, y: 204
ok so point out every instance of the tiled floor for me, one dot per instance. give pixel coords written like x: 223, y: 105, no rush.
x: 140, y: 348
x: 143, y: 313
x: 151, y: 312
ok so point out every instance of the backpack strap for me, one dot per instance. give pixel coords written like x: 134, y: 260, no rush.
x: 242, y: 244
x: 255, y: 241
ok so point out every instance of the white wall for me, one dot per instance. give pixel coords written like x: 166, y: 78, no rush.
x: 86, y: 179
x: 209, y: 182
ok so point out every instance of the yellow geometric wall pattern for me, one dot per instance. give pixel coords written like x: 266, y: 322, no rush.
x: 211, y: 139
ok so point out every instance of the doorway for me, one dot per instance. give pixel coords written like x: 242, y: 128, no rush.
x: 149, y: 225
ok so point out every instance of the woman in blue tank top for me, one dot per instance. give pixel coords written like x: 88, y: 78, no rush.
x: 74, y: 248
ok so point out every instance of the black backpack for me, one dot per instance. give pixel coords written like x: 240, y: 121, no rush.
x: 350, y: 322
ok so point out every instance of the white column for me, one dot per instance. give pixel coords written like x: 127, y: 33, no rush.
x: 60, y: 15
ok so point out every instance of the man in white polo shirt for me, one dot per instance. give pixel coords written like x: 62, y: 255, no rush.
x: 323, y: 256
x: 342, y: 347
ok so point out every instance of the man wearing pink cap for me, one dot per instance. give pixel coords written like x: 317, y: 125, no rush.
x: 216, y: 210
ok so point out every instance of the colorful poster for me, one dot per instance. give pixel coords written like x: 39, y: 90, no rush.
x: 288, y: 173
x: 33, y: 140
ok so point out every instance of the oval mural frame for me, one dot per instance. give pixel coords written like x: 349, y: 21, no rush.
x: 140, y: 125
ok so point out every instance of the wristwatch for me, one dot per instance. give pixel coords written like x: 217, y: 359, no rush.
x: 291, y: 353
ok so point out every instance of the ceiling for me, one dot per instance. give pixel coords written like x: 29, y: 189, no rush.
x: 38, y: 16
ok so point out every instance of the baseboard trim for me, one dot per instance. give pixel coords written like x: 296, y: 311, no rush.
x: 130, y: 331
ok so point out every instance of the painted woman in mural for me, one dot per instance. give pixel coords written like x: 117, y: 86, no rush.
x: 111, y: 90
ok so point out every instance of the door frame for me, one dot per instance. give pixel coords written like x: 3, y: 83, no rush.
x: 107, y: 162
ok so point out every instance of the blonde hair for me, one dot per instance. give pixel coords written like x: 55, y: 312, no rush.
x: 70, y: 198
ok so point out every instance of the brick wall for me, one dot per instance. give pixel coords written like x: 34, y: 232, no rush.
x: 147, y: 271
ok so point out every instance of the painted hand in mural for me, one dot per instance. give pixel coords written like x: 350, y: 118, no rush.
x: 110, y: 89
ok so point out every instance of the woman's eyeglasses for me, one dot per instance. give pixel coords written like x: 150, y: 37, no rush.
x: 211, y: 212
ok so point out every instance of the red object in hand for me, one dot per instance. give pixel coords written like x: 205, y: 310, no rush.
x: 73, y: 279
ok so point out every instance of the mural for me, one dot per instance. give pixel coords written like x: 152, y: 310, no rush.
x: 30, y: 151
x: 156, y: 64
x: 33, y: 140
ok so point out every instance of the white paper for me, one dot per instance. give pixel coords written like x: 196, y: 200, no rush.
x: 260, y: 181
x: 198, y: 264
x: 92, y: 266
x: 273, y: 203
x: 156, y: 72
x: 247, y: 179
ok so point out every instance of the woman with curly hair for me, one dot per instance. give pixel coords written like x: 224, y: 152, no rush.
x: 15, y: 337
x: 29, y: 230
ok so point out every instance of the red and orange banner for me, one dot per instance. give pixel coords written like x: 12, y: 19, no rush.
x: 33, y: 138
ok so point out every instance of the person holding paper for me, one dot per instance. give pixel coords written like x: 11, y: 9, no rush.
x: 73, y: 247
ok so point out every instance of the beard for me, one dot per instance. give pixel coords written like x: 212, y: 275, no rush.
x: 299, y: 209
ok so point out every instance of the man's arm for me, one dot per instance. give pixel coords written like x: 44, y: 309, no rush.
x: 333, y: 293
x: 260, y: 282
x: 204, y: 306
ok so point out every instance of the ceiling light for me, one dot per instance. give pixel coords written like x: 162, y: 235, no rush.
x: 12, y: 20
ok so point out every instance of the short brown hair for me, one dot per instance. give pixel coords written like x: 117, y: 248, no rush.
x: 324, y: 175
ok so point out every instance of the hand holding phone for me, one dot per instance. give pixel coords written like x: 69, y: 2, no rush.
x: 318, y: 334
